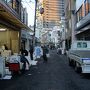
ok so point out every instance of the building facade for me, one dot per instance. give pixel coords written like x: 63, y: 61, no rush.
x: 70, y: 21
x: 53, y: 10
x: 82, y: 19
x: 77, y: 20
x: 11, y: 24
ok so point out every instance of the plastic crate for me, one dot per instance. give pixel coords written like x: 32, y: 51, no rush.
x: 14, y: 67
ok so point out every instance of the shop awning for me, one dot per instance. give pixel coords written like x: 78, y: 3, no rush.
x: 10, y: 16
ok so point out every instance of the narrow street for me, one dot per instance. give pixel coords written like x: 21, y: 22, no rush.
x: 53, y: 75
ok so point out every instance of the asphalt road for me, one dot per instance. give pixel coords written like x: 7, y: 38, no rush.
x: 53, y: 75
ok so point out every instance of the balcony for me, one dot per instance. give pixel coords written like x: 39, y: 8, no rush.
x: 83, y: 23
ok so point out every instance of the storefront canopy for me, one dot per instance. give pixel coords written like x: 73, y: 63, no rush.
x: 8, y: 15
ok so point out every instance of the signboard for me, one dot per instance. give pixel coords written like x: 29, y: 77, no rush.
x: 41, y: 10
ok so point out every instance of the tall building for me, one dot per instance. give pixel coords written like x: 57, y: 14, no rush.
x: 53, y: 11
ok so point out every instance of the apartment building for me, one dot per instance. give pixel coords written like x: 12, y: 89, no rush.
x: 11, y: 24
x: 53, y: 10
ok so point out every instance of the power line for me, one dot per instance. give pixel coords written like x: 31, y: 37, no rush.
x: 27, y: 3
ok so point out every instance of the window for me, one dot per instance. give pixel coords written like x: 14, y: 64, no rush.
x: 79, y: 45
x: 86, y: 7
x: 83, y: 10
x: 89, y: 5
x: 84, y: 45
x: 16, y: 5
x: 78, y: 16
x: 80, y: 13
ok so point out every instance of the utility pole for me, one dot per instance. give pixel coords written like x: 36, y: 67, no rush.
x: 34, y: 24
x: 73, y: 20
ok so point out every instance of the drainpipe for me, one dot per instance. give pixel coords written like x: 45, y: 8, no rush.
x: 34, y: 24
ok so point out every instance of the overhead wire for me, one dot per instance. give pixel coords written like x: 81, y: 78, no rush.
x: 28, y: 4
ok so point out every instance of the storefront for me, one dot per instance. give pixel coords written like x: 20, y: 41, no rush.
x: 9, y: 37
x: 10, y: 26
x: 26, y: 40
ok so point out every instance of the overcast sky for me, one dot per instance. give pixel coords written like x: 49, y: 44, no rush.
x: 30, y: 4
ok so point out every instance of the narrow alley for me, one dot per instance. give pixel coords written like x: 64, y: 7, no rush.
x: 53, y: 75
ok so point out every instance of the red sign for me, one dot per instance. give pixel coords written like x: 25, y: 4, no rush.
x: 41, y: 10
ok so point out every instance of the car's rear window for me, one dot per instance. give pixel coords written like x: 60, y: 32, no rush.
x: 81, y: 45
